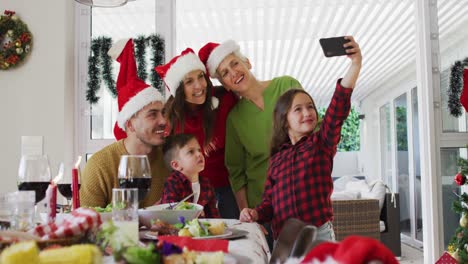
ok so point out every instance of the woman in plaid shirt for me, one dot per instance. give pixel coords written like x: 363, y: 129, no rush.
x: 299, y: 183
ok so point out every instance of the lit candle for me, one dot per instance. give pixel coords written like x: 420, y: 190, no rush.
x: 75, y: 185
x: 51, y: 198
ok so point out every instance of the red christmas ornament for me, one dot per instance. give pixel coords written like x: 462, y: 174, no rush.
x: 460, y: 179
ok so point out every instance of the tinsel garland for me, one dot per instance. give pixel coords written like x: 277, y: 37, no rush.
x: 106, y: 62
x: 156, y: 43
x: 94, y: 82
x: 140, y: 48
x: 100, y: 63
x: 455, y: 87
x: 454, y: 90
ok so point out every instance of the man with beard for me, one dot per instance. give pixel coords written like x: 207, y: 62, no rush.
x: 139, y: 130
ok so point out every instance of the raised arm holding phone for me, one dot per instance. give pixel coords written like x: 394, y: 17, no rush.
x: 299, y: 182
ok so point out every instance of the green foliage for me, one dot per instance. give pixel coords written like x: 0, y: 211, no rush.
x: 402, y: 129
x: 350, y: 133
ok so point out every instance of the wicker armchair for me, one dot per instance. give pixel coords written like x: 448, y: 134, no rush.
x: 356, y: 217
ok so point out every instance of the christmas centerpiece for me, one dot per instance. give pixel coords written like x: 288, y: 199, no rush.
x: 458, y: 246
x: 15, y: 40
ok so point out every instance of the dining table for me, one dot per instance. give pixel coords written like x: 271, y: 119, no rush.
x: 250, y: 247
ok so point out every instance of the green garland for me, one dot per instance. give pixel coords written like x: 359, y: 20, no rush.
x: 140, y: 48
x: 455, y: 87
x: 16, y: 39
x: 100, y: 64
x: 158, y: 47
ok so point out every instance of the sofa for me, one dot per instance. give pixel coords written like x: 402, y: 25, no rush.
x: 366, y: 209
x: 356, y: 217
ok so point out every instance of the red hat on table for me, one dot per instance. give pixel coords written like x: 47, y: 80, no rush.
x: 132, y: 93
x: 212, y: 54
x: 352, y: 250
x: 174, y: 71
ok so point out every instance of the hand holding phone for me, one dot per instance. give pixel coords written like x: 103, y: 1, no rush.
x: 333, y: 46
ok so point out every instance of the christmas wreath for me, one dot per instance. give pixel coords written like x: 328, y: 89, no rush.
x: 15, y: 40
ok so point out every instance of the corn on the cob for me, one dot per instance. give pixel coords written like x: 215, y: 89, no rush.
x: 79, y: 254
x: 23, y: 252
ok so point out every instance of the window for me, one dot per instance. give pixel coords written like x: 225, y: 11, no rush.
x: 96, y: 121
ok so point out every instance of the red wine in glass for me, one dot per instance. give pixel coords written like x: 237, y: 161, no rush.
x: 142, y: 184
x: 39, y: 187
x: 66, y: 190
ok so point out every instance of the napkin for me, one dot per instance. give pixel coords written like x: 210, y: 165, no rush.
x: 197, y: 244
x: 78, y: 222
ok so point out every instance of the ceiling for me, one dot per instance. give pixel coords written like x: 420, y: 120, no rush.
x: 281, y: 37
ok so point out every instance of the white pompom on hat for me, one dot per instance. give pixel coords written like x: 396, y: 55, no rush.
x: 212, y: 54
x: 132, y: 93
x: 175, y: 70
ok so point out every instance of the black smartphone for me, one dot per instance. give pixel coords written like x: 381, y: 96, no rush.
x: 333, y: 46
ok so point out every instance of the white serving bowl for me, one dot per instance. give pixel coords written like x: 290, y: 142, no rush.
x: 160, y: 212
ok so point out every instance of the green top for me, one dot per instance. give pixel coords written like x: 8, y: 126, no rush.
x: 248, y: 135
x: 100, y: 176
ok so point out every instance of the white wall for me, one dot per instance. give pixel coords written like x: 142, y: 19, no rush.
x: 346, y: 163
x: 37, y: 98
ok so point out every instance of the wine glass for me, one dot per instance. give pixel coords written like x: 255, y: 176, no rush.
x: 135, y: 172
x: 65, y: 188
x: 34, y: 175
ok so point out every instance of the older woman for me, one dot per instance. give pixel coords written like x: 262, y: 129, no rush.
x: 196, y: 107
x: 249, y: 125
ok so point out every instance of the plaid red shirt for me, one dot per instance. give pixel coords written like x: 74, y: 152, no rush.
x: 299, y: 182
x: 177, y: 187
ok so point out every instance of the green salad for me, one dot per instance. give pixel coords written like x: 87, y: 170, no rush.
x: 107, y: 209
x: 185, y: 206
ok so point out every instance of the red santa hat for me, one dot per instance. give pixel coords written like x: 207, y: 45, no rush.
x: 352, y: 250
x: 212, y: 54
x: 132, y: 93
x: 174, y: 71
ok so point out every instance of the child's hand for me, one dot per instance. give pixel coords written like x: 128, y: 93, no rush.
x: 354, y: 53
x: 248, y: 215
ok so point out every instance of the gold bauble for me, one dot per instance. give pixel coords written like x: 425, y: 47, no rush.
x: 18, y: 44
x: 464, y: 221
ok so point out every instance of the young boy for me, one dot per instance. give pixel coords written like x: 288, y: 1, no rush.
x: 182, y: 154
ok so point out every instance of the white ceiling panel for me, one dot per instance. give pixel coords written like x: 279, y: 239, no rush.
x: 281, y: 37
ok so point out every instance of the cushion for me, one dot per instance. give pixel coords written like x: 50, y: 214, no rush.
x: 345, y: 195
x: 359, y: 186
x: 340, y: 183
x: 376, y: 190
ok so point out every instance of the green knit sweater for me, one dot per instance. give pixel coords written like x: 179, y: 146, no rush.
x: 100, y: 176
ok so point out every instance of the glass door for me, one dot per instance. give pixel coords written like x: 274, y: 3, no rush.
x: 400, y: 161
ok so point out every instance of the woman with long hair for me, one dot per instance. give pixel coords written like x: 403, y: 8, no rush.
x: 197, y: 107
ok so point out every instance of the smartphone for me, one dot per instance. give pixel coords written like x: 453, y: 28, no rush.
x: 333, y: 46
